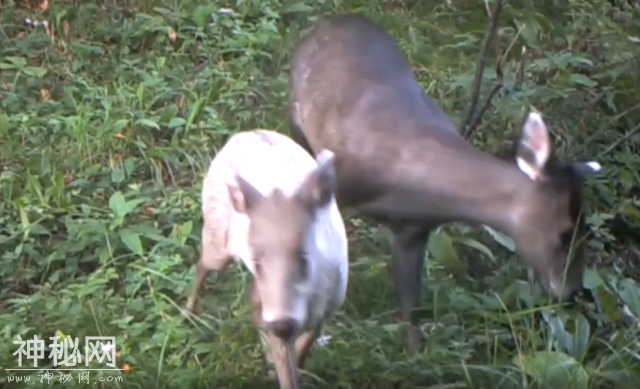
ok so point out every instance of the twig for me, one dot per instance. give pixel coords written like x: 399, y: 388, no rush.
x: 498, y: 84
x: 587, y: 141
x: 513, y: 42
x: 520, y: 72
x: 482, y: 60
x: 496, y: 87
x: 486, y: 7
x: 618, y: 142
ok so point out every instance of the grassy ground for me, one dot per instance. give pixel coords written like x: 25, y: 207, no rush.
x: 110, y: 114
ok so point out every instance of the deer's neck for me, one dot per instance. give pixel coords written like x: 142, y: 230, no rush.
x: 439, y: 184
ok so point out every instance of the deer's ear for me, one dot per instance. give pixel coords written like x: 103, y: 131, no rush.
x: 319, y: 187
x: 534, y: 147
x: 244, y: 195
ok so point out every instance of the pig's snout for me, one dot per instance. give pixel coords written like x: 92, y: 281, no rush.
x: 284, y: 328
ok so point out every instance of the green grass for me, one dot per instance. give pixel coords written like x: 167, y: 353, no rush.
x: 107, y: 126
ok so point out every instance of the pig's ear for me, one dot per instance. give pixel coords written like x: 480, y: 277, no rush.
x: 244, y: 196
x: 319, y: 187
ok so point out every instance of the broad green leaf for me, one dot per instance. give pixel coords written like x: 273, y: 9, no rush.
x: 177, y: 122
x: 130, y: 206
x: 160, y: 62
x: 120, y: 206
x: 591, y: 279
x: 581, y: 79
x: 441, y: 248
x: 524, y: 291
x: 608, y: 303
x: 616, y: 368
x: 149, y: 123
x: 184, y: 230
x: 38, y: 229
x: 581, y: 336
x: 501, y: 238
x: 562, y: 339
x: 167, y: 113
x: 140, y: 94
x: 529, y: 30
x: 295, y: 7
x: 131, y: 240
x: 196, y: 108
x: 117, y: 175
x: 630, y: 294
x: 554, y: 369
x: 630, y: 210
x: 597, y: 219
x: 577, y: 60
x: 120, y: 124
x: 24, y: 220
x: 476, y: 245
x: 4, y: 123
x: 35, y: 71
x: 86, y: 210
x: 391, y: 327
x: 104, y: 255
x: 18, y: 62
x: 129, y: 165
x: 202, y: 13
x: 117, y: 203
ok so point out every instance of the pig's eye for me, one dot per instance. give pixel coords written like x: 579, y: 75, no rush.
x: 257, y: 268
x: 304, y: 265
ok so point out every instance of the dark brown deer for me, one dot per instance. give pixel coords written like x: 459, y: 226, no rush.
x: 400, y: 160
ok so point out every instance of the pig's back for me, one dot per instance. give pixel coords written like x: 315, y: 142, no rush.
x: 264, y: 158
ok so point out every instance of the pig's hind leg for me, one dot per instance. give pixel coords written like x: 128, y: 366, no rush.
x: 212, y: 258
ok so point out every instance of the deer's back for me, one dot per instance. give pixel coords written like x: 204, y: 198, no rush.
x: 348, y: 67
x: 353, y: 91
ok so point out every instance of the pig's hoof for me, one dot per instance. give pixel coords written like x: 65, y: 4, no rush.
x: 273, y: 376
x: 191, y: 304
